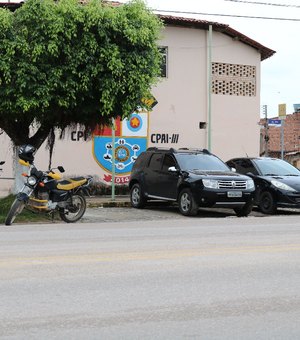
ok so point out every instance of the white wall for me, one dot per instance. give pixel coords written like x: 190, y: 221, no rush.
x: 235, y: 129
x: 182, y: 95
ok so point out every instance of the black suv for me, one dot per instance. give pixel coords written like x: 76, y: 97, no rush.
x: 193, y: 178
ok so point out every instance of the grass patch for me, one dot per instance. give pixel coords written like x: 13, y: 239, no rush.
x: 26, y: 215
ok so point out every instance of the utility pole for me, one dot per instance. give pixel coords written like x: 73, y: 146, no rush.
x: 282, y: 116
x: 282, y: 139
x: 265, y: 112
x: 113, y: 169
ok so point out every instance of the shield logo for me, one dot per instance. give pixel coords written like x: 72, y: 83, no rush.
x: 130, y: 141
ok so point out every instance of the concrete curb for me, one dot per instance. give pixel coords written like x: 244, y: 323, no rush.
x: 108, y: 202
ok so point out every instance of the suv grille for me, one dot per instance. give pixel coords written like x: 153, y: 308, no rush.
x: 232, y: 184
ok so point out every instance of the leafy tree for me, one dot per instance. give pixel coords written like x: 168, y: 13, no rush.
x: 65, y: 63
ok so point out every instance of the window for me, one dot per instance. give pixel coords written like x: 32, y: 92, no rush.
x: 141, y: 161
x: 163, y: 66
x: 243, y: 166
x: 276, y: 167
x: 155, y: 161
x: 168, y: 162
x: 200, y: 161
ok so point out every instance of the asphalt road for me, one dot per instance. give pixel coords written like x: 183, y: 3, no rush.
x: 152, y: 278
x: 165, y: 211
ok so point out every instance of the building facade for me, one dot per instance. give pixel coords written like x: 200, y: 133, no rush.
x: 208, y: 97
x: 289, y: 134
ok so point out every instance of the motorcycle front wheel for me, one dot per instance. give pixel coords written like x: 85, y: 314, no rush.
x: 15, y: 209
x: 74, y: 209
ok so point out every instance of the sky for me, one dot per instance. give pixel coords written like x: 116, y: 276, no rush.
x: 280, y: 74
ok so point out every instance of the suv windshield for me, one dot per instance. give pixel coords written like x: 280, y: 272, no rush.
x: 199, y: 161
x: 276, y: 167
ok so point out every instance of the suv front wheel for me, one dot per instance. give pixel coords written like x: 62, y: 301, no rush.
x: 245, y: 210
x: 186, y: 202
x: 137, y: 198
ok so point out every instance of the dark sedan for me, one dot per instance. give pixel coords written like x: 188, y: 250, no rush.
x: 277, y: 182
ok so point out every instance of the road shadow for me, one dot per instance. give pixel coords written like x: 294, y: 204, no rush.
x: 172, y: 208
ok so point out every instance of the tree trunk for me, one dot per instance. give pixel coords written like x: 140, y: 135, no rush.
x: 18, y: 170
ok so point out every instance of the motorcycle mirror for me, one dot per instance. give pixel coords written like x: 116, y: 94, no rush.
x: 61, y: 168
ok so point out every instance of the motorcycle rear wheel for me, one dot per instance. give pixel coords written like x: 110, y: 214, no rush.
x: 75, y: 209
x: 15, y: 209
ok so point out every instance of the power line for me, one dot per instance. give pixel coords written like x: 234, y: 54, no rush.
x: 264, y: 3
x: 227, y: 15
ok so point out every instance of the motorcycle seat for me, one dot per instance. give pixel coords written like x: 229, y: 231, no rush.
x: 72, y: 183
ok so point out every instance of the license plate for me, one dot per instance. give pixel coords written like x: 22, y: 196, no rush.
x: 234, y: 194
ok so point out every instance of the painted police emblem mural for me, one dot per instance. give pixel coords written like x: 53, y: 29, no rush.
x: 130, y: 141
x: 125, y: 154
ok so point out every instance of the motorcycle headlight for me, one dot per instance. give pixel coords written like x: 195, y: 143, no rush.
x: 250, y: 184
x: 31, y: 180
x: 210, y: 183
x: 281, y: 185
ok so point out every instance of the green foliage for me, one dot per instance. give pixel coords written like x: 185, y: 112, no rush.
x: 101, y: 189
x: 5, y: 204
x: 64, y: 63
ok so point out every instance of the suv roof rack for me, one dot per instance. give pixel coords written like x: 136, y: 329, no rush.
x: 155, y: 148
x: 195, y: 150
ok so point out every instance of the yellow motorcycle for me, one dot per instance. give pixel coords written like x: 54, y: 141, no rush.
x: 45, y: 191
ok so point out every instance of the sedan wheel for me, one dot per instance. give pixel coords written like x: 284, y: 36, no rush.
x: 187, y: 204
x: 267, y: 203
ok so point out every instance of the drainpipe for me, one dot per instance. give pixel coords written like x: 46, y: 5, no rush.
x: 209, y: 86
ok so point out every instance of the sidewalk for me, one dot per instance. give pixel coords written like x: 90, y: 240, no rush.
x: 107, y: 201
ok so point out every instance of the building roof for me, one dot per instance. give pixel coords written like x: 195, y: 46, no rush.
x: 216, y: 26
x: 11, y: 5
x: 265, y: 52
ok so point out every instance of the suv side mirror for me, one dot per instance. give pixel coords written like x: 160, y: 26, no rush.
x: 172, y: 169
x: 233, y: 169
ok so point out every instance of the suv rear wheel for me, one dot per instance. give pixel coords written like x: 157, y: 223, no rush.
x: 137, y: 198
x: 187, y: 204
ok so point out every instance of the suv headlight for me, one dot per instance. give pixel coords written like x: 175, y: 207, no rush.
x: 31, y: 180
x: 210, y: 183
x: 281, y: 185
x: 250, y: 184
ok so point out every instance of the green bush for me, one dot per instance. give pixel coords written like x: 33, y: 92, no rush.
x: 101, y: 189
